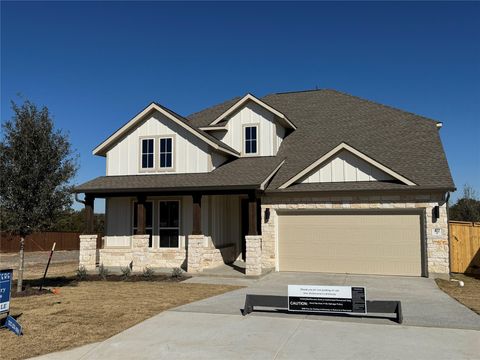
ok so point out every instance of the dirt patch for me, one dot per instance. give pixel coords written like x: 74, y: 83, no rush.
x: 63, y: 263
x: 28, y: 291
x: 90, y: 311
x: 468, y: 295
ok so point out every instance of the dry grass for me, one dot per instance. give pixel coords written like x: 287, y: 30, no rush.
x: 469, y: 295
x: 33, y: 271
x: 92, y: 311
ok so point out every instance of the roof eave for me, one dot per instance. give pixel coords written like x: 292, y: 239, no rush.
x: 102, y: 149
x: 250, y: 97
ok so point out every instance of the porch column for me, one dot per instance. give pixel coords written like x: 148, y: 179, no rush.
x: 252, y: 214
x: 197, y: 214
x: 141, y: 219
x: 253, y: 241
x: 89, y: 217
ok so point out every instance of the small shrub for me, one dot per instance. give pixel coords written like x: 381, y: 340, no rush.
x: 177, y: 273
x: 81, y: 272
x: 126, y: 272
x: 103, y: 272
x: 148, y: 273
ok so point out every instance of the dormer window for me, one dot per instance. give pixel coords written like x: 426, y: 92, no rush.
x: 148, y: 157
x: 250, y: 139
x: 166, y: 153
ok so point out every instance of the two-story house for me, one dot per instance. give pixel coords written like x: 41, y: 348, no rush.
x: 316, y: 181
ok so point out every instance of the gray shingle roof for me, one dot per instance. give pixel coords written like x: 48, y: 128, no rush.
x: 407, y: 143
x: 239, y: 173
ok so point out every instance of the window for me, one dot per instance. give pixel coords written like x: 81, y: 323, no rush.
x: 166, y: 153
x: 250, y: 140
x: 148, y: 220
x: 169, y: 225
x: 147, y: 153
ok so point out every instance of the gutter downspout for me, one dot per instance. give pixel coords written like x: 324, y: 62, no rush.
x: 78, y: 200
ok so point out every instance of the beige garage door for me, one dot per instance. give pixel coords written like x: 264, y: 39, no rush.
x: 359, y: 243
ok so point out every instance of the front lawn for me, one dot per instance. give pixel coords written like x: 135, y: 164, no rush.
x: 469, y: 295
x: 91, y: 311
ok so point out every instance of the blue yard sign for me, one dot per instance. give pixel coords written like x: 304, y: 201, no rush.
x: 13, y: 325
x: 5, y: 288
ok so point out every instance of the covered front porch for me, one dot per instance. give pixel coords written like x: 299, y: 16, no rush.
x: 162, y: 230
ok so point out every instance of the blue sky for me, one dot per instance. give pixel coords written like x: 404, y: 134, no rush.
x: 97, y: 64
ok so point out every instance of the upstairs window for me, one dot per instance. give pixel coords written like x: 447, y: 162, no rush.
x: 250, y: 139
x: 166, y: 153
x: 148, y: 157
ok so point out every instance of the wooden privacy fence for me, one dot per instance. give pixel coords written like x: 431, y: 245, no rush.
x: 464, y: 247
x: 42, y: 241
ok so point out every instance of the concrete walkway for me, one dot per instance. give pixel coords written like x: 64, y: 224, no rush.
x: 435, y: 327
x: 177, y: 335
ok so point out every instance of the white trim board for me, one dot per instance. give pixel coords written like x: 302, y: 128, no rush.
x: 102, y: 148
x: 241, y: 102
x: 267, y: 179
x: 344, y: 146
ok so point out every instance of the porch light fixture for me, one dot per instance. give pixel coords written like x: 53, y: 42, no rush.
x: 436, y: 213
x: 267, y: 215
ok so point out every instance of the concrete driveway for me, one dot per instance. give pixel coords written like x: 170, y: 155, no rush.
x: 435, y: 326
x: 423, y: 303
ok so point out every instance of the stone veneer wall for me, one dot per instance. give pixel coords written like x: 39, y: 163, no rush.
x: 203, y: 255
x: 253, y: 256
x: 437, y: 245
x: 88, y: 252
x: 142, y: 256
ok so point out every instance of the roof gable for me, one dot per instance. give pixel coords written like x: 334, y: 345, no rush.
x: 240, y: 103
x: 344, y: 166
x: 356, y: 161
x: 102, y: 148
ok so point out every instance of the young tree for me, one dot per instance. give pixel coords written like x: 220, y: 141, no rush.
x: 466, y: 208
x: 36, y: 165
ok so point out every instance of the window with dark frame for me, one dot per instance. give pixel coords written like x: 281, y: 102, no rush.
x: 148, y: 220
x: 169, y: 223
x: 148, y: 146
x: 166, y: 152
x: 250, y: 140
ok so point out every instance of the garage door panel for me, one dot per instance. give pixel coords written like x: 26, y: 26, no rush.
x: 373, y: 243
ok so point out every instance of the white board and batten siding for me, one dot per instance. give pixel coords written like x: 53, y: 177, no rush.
x: 345, y: 167
x: 270, y: 132
x: 191, y: 155
x: 220, y: 219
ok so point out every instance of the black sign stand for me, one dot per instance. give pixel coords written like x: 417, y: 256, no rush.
x: 281, y: 303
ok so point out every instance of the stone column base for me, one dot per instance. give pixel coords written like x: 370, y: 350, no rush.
x: 88, y: 252
x: 253, y: 262
x: 139, y: 252
x: 196, y: 246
